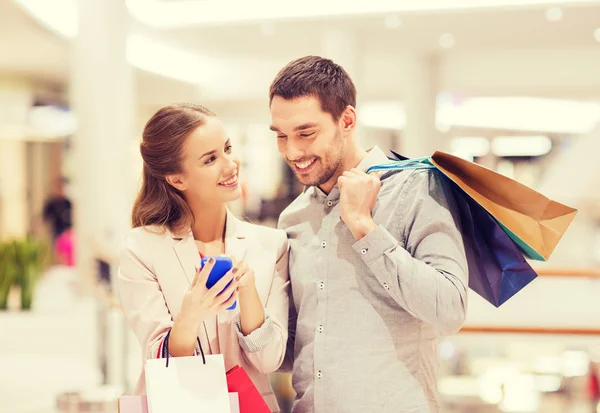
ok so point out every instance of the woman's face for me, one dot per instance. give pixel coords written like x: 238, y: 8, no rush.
x: 210, y: 168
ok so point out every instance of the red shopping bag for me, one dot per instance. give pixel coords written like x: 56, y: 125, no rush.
x: 249, y: 397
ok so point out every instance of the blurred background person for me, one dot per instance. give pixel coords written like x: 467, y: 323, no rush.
x: 58, y: 210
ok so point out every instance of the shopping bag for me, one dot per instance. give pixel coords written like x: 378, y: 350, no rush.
x: 234, y: 403
x: 133, y: 404
x: 139, y: 404
x: 534, y: 222
x: 187, y: 384
x: 251, y: 401
x: 497, y: 268
x: 503, y: 221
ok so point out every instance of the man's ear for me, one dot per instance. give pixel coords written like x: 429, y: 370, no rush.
x: 177, y: 182
x: 348, y: 120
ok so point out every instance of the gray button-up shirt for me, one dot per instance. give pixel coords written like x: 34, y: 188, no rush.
x: 366, y: 315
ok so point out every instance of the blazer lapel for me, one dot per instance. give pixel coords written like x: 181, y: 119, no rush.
x: 189, y: 258
x: 187, y: 253
x: 235, y: 238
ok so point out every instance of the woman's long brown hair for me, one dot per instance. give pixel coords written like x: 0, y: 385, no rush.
x: 162, y: 150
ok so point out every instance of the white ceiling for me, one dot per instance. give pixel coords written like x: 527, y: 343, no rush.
x: 26, y: 49
x: 522, y: 29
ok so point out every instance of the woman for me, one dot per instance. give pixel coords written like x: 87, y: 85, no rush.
x: 190, y: 173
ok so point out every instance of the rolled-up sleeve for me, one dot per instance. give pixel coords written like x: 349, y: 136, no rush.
x: 423, y: 265
x: 259, y: 338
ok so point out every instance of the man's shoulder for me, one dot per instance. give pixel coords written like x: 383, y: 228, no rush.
x: 411, y: 178
x: 402, y: 188
x: 403, y: 180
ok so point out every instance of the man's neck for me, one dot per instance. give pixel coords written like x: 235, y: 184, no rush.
x: 354, y: 158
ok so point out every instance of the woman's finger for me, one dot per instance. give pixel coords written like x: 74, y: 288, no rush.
x: 204, y: 273
x: 222, y: 283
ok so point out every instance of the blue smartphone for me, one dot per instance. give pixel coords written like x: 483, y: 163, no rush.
x: 222, y: 266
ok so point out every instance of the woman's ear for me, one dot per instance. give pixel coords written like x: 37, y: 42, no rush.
x: 177, y: 182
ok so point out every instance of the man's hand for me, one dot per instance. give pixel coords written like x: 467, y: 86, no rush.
x: 358, y: 193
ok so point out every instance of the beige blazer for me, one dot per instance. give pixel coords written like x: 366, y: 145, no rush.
x: 156, y: 269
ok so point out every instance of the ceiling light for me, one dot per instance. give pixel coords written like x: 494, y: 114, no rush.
x: 554, y: 14
x: 507, y: 146
x: 447, y: 41
x: 382, y: 114
x: 267, y: 29
x: 597, y: 34
x: 59, y: 16
x: 392, y: 21
x: 142, y: 52
x: 521, y: 114
x: 162, y: 59
x: 163, y: 14
x: 474, y: 146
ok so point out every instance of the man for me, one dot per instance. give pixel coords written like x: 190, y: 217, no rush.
x: 377, y: 267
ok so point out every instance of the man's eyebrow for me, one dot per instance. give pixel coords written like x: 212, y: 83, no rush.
x: 297, y: 128
x: 304, y: 126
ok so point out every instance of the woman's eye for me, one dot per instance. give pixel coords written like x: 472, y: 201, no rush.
x: 210, y: 160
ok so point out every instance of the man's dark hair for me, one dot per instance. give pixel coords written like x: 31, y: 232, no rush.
x: 318, y: 77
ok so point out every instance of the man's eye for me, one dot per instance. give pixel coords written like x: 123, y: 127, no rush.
x: 306, y: 135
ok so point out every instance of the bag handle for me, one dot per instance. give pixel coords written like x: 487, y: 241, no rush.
x: 166, y: 347
x: 416, y: 163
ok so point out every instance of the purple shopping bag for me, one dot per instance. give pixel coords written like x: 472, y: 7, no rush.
x: 497, y: 267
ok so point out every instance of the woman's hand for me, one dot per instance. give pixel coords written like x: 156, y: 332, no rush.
x: 252, y: 312
x: 244, y: 275
x: 198, y: 304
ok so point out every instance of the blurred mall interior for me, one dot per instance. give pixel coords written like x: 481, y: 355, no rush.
x: 513, y: 85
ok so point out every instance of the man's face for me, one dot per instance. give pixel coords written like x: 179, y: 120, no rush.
x: 309, y: 139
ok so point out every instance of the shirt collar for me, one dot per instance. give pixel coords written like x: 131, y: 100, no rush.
x: 375, y: 156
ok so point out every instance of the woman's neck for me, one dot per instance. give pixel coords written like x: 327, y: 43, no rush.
x: 209, y: 222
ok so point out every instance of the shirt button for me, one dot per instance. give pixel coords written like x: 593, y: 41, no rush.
x: 364, y: 251
x: 386, y: 286
x: 329, y: 203
x: 319, y: 374
x: 323, y: 244
x: 320, y: 329
x: 321, y: 285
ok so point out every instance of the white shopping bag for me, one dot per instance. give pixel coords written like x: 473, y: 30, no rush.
x: 139, y: 404
x: 234, y: 403
x: 187, y: 385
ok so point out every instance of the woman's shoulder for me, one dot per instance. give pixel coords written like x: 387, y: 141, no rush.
x: 147, y: 235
